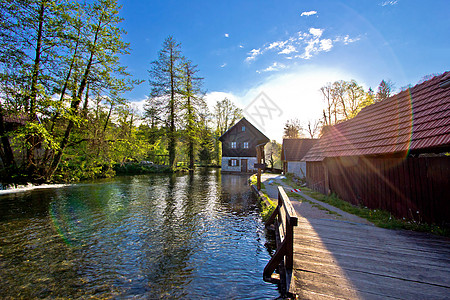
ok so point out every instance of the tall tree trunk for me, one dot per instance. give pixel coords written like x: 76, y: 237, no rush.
x: 31, y: 138
x: 190, y: 125
x: 74, y: 105
x: 190, y: 135
x: 48, y: 151
x: 172, y: 139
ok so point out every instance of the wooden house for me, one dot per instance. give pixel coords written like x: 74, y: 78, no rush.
x: 240, y: 145
x: 292, y: 153
x: 394, y: 155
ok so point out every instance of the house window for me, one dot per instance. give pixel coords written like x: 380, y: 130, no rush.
x: 233, y: 145
x: 245, y: 145
x: 233, y: 163
x: 243, y: 128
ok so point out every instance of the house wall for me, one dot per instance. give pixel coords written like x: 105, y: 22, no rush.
x: 235, y: 134
x: 413, y: 188
x: 251, y: 161
x: 297, y: 167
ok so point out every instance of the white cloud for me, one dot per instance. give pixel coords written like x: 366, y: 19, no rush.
x: 310, y: 49
x: 287, y: 50
x: 308, y: 13
x: 253, y: 54
x: 346, y: 39
x: 326, y: 45
x: 276, y: 45
x: 308, y: 44
x: 316, y: 32
x: 227, y: 35
x: 240, y: 46
x: 223, y: 65
x: 274, y: 67
x: 389, y: 2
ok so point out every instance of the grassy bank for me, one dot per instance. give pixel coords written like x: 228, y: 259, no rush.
x: 266, y: 205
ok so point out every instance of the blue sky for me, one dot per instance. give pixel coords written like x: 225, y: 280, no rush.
x: 289, y: 49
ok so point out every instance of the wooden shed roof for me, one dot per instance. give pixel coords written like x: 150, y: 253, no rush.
x: 296, y: 149
x: 417, y: 119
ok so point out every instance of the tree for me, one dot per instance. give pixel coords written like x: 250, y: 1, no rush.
x: 273, y: 153
x: 313, y: 129
x: 384, y: 91
x: 226, y: 114
x: 292, y: 129
x: 53, y: 55
x: 193, y: 102
x: 166, y: 85
x: 344, y: 99
x: 205, y: 154
x: 30, y: 39
x: 101, y: 69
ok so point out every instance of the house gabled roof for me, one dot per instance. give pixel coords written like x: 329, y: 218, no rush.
x: 260, y: 137
x: 296, y: 149
x: 417, y: 119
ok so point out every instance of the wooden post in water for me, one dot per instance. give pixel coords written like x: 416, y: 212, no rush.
x: 258, y: 176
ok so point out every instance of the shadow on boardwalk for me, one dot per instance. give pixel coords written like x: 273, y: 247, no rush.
x: 339, y: 257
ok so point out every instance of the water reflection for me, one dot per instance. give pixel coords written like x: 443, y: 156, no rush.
x: 191, y: 236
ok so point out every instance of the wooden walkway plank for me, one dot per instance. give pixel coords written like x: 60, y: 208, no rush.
x: 392, y: 270
x: 428, y: 256
x: 344, y: 258
x: 311, y: 252
x: 384, y: 238
x: 341, y: 260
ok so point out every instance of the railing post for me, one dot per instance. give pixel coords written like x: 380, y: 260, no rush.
x: 289, y: 260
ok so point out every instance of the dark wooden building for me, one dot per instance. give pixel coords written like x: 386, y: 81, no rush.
x: 239, y: 147
x: 394, y: 155
x: 292, y: 153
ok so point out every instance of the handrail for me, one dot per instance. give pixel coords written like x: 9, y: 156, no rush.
x: 284, y: 218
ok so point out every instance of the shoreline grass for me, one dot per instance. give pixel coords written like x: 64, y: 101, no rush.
x: 378, y: 217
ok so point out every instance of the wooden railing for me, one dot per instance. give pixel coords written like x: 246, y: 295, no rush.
x: 282, y: 220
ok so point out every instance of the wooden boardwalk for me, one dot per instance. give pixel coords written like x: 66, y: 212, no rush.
x: 342, y: 260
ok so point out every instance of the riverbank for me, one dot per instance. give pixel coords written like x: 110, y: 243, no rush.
x: 304, y: 205
x: 311, y: 204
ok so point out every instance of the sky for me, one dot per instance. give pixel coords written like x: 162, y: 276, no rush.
x: 271, y: 57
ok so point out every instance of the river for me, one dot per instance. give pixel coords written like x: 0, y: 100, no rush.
x: 156, y: 236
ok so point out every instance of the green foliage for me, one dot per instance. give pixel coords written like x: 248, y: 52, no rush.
x: 137, y: 168
x: 266, y: 205
x: 226, y: 114
x: 344, y: 99
x: 272, y: 151
x: 267, y: 210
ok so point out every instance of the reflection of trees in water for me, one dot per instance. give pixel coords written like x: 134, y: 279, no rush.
x: 155, y: 235
x: 236, y: 194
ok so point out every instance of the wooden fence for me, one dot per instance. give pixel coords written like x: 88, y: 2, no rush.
x: 412, y: 188
x: 283, y: 220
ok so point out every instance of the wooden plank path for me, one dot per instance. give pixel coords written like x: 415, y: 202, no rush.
x: 342, y: 260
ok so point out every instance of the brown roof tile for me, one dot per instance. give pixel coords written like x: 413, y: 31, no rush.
x: 296, y: 149
x: 415, y: 119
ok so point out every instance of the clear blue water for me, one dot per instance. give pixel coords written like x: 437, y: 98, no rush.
x: 191, y: 236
